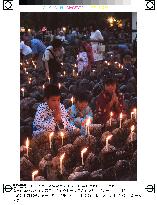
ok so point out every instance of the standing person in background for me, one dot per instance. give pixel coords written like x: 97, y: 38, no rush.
x: 51, y: 59
x: 38, y: 49
x: 82, y: 60
x: 96, y: 39
x: 88, y: 49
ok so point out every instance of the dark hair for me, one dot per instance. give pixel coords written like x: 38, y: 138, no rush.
x: 56, y: 43
x: 51, y: 90
x: 110, y: 81
x: 82, y: 97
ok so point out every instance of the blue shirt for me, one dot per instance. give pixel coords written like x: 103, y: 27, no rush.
x: 78, y: 120
x: 37, y: 46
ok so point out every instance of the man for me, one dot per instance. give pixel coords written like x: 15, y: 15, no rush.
x: 38, y: 49
x: 51, y: 115
x: 25, y: 51
x: 52, y: 59
x: 108, y: 101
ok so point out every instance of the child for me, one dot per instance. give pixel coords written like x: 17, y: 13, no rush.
x: 82, y: 60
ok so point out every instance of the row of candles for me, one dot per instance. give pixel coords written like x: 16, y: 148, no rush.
x: 116, y: 63
x: 84, y: 150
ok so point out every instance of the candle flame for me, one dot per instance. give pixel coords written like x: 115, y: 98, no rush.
x: 88, y: 121
x: 27, y: 143
x: 121, y: 115
x: 64, y: 73
x: 75, y: 65
x: 61, y: 63
x: 135, y: 110
x: 111, y: 114
x: 22, y: 89
x: 62, y: 134
x: 72, y: 99
x: 59, y: 85
x: 83, y: 151
x: 109, y: 137
x: 51, y: 134
x: 43, y: 86
x: 62, y: 157
x: 132, y: 128
x: 35, y: 173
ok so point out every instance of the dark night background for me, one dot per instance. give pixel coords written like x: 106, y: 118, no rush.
x: 56, y: 19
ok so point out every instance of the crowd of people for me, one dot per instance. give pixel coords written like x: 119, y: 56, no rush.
x: 91, y: 50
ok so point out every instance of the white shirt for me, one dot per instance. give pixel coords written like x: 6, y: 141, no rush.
x: 26, y: 50
x: 44, y: 120
x: 47, y: 55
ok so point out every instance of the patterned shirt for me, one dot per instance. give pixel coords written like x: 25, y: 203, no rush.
x: 78, y: 119
x: 44, y: 120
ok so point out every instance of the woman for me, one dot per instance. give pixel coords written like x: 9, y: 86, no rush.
x: 51, y: 115
x: 96, y: 39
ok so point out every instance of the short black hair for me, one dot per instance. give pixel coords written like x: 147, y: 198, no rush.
x: 110, y: 81
x: 82, y: 97
x: 52, y: 90
x: 56, y: 43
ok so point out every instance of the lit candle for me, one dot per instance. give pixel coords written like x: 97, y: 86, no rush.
x: 29, y: 81
x: 93, y: 71
x: 108, y: 63
x: 49, y: 79
x: 107, y: 139
x: 72, y: 100
x: 61, y: 63
x: 73, y: 72
x: 25, y: 69
x: 135, y: 112
x: 62, y: 137
x: 87, y: 125
x: 75, y: 65
x: 61, y: 163
x: 64, y: 73
x: 43, y: 87
x: 111, y: 114
x: 82, y: 152
x: 132, y: 129
x: 27, y: 145
x: 132, y: 113
x: 59, y: 85
x: 50, y: 138
x: 33, y: 174
x: 23, y: 92
x: 121, y: 117
x: 27, y: 73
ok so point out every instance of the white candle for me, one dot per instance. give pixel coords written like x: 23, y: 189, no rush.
x: 82, y: 152
x: 49, y: 79
x: 59, y: 85
x: 62, y: 137
x: 50, y: 138
x: 75, y: 65
x: 43, y: 87
x: 27, y: 145
x: 23, y: 92
x: 87, y: 126
x: 121, y: 117
x: 107, y: 139
x: 33, y: 174
x: 135, y: 112
x: 132, y: 113
x: 61, y: 163
x: 64, y: 73
x: 111, y: 114
x: 73, y: 72
x: 132, y: 129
